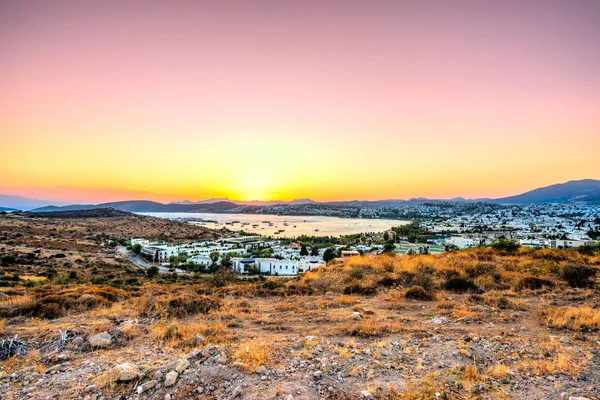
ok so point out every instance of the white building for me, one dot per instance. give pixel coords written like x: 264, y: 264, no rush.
x: 460, y: 242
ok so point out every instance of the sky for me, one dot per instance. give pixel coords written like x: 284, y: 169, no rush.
x: 263, y: 100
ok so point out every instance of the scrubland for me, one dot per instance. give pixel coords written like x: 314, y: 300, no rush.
x: 480, y: 323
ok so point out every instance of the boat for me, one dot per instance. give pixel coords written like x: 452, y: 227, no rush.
x: 317, y: 230
x: 254, y: 225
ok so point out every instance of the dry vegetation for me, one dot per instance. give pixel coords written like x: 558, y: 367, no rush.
x: 468, y: 324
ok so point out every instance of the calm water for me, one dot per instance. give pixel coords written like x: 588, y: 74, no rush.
x: 326, y: 226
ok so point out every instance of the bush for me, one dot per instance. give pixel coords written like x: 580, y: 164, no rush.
x: 51, y: 311
x: 183, y: 305
x: 152, y: 271
x: 506, y: 246
x: 387, y: 281
x: 419, y: 293
x: 459, y: 284
x: 578, y: 275
x: 533, y: 283
x: 356, y: 288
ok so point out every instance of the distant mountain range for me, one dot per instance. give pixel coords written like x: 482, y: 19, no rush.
x: 586, y: 191
x: 247, y: 203
x: 23, y: 203
x: 583, y: 191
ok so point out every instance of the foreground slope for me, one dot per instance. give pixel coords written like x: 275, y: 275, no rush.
x: 482, y: 323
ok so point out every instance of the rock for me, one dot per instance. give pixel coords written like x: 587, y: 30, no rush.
x: 237, y: 392
x: 565, y: 340
x: 128, y: 372
x: 182, y: 365
x: 194, y: 353
x: 318, y: 374
x: 367, y: 395
x: 261, y: 370
x: 439, y: 320
x: 222, y: 359
x: 356, y: 315
x: 146, y: 386
x: 167, y: 396
x: 171, y: 378
x: 100, y: 340
x: 197, y: 340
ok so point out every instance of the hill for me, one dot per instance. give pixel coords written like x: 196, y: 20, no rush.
x: 89, y: 213
x: 586, y: 190
x: 23, y: 203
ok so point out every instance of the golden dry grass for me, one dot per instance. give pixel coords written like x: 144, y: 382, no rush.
x: 252, y: 354
x: 573, y: 318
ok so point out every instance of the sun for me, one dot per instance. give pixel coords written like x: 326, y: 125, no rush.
x: 254, y: 185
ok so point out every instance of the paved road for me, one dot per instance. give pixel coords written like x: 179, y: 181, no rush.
x: 143, y: 263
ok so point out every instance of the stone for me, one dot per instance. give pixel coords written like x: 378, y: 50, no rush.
x: 261, y: 370
x: 146, y: 386
x: 356, y: 316
x: 318, y: 374
x: 197, y: 340
x: 222, y: 359
x: 171, y: 378
x: 100, y: 340
x: 367, y: 395
x: 237, y: 392
x: 128, y: 372
x: 182, y: 365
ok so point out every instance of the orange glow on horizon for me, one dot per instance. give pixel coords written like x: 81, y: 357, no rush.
x: 337, y: 100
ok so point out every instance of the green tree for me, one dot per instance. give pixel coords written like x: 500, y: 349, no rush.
x: 214, y: 257
x: 329, y: 254
x: 137, y: 248
x: 303, y: 251
x: 314, y: 251
x: 389, y: 248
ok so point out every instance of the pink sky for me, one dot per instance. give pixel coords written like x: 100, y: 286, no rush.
x: 330, y: 100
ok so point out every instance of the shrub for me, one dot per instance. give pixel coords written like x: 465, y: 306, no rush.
x: 152, y: 271
x: 578, y: 276
x: 419, y: 293
x: 356, y: 288
x: 533, y: 283
x: 506, y: 246
x: 387, y: 281
x: 461, y: 284
x: 182, y: 305
x: 51, y: 310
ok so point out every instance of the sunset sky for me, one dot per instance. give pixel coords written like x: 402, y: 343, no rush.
x: 258, y: 99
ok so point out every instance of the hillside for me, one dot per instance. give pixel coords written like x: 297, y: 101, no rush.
x: 475, y: 324
x: 586, y: 190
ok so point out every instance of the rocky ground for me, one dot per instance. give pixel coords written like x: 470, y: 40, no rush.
x: 477, y: 324
x: 431, y: 355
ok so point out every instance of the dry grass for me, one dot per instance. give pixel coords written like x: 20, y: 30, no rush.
x: 497, y: 371
x: 17, y: 301
x: 253, y: 354
x: 582, y: 318
x: 179, y: 333
x: 562, y: 363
